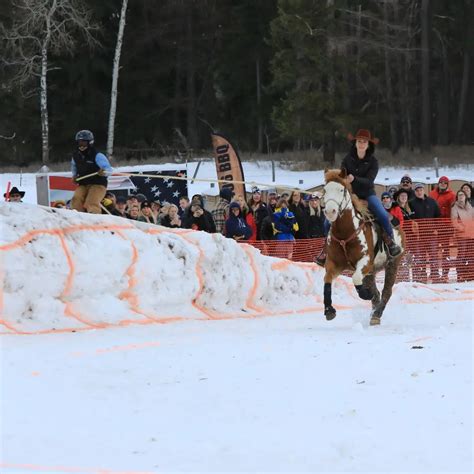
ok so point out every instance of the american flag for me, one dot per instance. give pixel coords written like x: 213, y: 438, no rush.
x: 161, y: 189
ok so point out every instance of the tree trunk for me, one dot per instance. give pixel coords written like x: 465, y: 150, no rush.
x: 463, y: 96
x: 177, y: 90
x: 464, y: 93
x: 388, y: 84
x: 44, y: 100
x: 329, y: 149
x: 259, y: 107
x: 443, y: 100
x: 190, y: 82
x: 115, y: 75
x: 425, y: 75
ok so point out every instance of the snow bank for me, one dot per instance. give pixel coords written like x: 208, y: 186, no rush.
x: 95, y: 271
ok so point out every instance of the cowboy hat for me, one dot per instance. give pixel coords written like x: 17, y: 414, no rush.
x: 14, y: 190
x: 363, y: 134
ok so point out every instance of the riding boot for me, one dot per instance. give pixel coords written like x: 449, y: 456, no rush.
x: 393, y: 249
x: 321, y: 258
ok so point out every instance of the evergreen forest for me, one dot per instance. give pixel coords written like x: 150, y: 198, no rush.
x: 271, y: 75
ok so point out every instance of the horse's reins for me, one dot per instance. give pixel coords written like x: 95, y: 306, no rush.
x: 343, y: 242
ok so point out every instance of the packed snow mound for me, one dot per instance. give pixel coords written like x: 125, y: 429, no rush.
x: 96, y: 271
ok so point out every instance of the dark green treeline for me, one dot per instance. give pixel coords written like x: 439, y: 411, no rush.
x: 272, y: 75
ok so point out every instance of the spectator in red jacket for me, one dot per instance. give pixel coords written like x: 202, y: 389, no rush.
x: 444, y: 196
x: 392, y: 208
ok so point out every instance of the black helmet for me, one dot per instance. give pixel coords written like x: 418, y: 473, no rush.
x: 85, y: 135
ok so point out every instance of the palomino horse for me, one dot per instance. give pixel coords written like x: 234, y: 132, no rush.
x: 351, y: 245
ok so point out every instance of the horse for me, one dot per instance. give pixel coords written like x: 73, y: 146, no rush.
x: 355, y: 243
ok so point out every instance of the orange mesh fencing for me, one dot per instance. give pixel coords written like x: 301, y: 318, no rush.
x: 437, y: 251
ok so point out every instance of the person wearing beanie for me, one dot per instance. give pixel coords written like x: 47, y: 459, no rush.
x: 425, y: 207
x: 406, y: 184
x: 362, y: 168
x: 199, y: 219
x: 247, y: 214
x: 392, y: 208
x: 221, y: 212
x: 235, y: 226
x: 444, y: 197
x: 259, y: 209
x: 146, y: 214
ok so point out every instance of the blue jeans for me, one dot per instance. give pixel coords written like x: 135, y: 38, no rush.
x: 376, y: 208
x: 326, y: 227
x: 381, y: 214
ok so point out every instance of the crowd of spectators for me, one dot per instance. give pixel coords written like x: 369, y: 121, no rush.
x: 299, y: 215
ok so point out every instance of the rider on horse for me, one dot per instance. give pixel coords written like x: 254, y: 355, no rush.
x: 362, y: 168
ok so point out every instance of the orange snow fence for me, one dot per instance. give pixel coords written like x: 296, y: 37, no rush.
x: 437, y: 251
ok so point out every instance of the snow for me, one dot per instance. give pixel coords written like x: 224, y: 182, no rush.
x: 193, y: 353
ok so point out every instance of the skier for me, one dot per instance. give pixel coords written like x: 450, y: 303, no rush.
x: 86, y: 160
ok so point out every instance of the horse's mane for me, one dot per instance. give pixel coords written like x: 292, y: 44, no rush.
x: 334, y: 175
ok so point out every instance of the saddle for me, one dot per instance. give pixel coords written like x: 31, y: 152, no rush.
x: 361, y: 207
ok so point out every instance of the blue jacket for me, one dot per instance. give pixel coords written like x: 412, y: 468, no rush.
x: 284, y: 223
x: 236, y: 226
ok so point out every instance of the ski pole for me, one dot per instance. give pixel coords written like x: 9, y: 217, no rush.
x: 86, y: 176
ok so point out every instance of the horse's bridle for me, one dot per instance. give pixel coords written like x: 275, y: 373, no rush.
x: 340, y: 209
x: 343, y: 242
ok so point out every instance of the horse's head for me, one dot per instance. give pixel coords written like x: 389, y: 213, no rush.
x: 337, y: 197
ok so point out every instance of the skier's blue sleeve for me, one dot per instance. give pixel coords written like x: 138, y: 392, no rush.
x: 103, y: 163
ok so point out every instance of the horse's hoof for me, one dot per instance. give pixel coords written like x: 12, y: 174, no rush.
x: 329, y: 312
x: 364, y: 293
x: 375, y: 321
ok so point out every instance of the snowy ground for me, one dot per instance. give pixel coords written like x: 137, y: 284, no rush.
x: 191, y: 353
x: 291, y: 393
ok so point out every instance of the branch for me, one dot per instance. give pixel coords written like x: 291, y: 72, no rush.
x: 8, y: 138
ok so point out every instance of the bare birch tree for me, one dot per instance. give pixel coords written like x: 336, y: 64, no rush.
x: 115, y: 75
x: 41, y: 27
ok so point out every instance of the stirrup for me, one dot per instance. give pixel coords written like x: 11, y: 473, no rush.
x: 393, y: 249
x: 321, y: 258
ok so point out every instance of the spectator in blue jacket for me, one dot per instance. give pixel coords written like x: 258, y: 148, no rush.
x: 284, y: 222
x: 235, y: 226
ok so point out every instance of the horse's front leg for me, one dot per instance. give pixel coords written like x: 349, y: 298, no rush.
x: 390, y: 276
x: 362, y: 269
x: 329, y: 310
x: 369, y: 282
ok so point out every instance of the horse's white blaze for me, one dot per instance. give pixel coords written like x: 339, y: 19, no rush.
x: 335, y: 198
